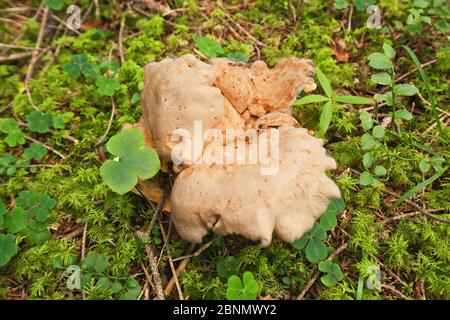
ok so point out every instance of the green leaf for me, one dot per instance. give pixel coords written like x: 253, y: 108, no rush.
x: 324, y: 83
x: 72, y: 69
x: 328, y: 280
x: 208, y: 46
x: 35, y: 151
x: 318, y: 232
x: 89, y: 70
x: 39, y: 122
x: 340, y: 4
x: 403, y: 114
x: 107, y: 86
x: 101, y: 262
x: 135, y: 98
x: 367, y: 141
x: 16, y: 220
x: 424, y: 166
x: 36, y: 233
x: 366, y: 120
x: 8, y: 125
x: 80, y: 58
x: 110, y: 65
x: 312, y: 98
x: 337, y: 272
x: 325, y: 266
x: 234, y: 288
x: 89, y: 260
x: 300, y: 244
x: 104, y: 282
x: 3, y: 212
x: 27, y: 199
x: 251, y: 286
x: 406, y: 90
x: 14, y: 138
x: 58, y: 121
x: 368, y: 160
x: 227, y: 267
x: 54, y: 4
x: 378, y: 131
x: 382, y: 78
x: 116, y: 287
x: 380, y: 171
x: 132, y: 290
x: 353, y: 100
x: 238, y: 56
x: 388, y: 51
x: 246, y: 290
x: 8, y: 248
x: 316, y: 251
x: 134, y: 160
x: 325, y: 118
x: 328, y: 220
x: 366, y: 179
x: 379, y: 60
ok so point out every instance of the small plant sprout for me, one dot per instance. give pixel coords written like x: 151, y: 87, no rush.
x: 384, y: 61
x: 330, y: 101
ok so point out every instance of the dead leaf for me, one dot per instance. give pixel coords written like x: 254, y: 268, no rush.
x: 338, y: 48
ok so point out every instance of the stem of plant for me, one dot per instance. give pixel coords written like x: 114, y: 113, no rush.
x: 394, y: 109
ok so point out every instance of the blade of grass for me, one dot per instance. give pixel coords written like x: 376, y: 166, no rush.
x: 417, y: 188
x: 427, y: 86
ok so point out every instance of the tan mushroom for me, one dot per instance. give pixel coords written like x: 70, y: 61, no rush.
x: 236, y: 197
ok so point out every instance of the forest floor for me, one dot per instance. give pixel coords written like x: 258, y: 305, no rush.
x: 393, y: 155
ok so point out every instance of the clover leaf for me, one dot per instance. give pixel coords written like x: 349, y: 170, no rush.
x: 242, y: 290
x: 237, y: 56
x: 227, y: 267
x: 8, y: 248
x: 16, y: 220
x: 208, y: 46
x: 3, y: 212
x: 107, y: 86
x: 14, y: 134
x: 15, y: 137
x: 36, y: 233
x: 39, y: 121
x: 133, y: 160
x: 54, y: 4
x: 132, y: 290
x: 6, y: 164
x: 328, y: 218
x: 333, y: 273
x: 8, y: 125
x: 316, y: 249
x: 35, y: 151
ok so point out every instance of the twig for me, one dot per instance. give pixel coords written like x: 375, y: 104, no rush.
x: 122, y: 26
x: 46, y: 147
x: 15, y: 56
x: 422, y: 210
x: 317, y: 273
x: 34, y: 57
x: 149, y: 278
x: 181, y: 267
x: 83, y: 243
x: 113, y: 111
x: 172, y: 267
x: 153, y: 266
x: 97, y: 10
x: 392, y: 289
